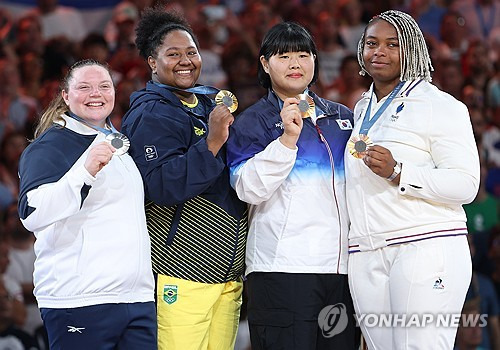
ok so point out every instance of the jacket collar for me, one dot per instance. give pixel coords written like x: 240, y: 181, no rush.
x: 75, y: 125
x: 407, y: 89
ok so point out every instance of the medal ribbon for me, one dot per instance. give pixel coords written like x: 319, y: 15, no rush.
x: 95, y: 127
x: 201, y: 89
x: 367, y: 122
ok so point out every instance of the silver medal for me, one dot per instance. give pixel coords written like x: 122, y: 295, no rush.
x: 119, y: 141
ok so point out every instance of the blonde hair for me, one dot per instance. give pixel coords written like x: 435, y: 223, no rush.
x: 57, y: 106
x: 414, y: 57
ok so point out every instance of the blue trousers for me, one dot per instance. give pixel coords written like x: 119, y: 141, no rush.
x: 103, y: 327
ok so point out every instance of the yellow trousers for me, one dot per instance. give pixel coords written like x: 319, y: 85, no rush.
x: 197, y: 316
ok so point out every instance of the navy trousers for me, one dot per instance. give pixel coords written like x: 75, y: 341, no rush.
x: 103, y: 327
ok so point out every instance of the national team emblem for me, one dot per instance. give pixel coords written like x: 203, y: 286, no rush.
x: 170, y: 293
x: 150, y: 153
x: 344, y: 124
x: 395, y: 117
x: 438, y: 284
x: 199, y: 131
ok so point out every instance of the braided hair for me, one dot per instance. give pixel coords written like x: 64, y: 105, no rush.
x: 414, y: 56
x: 154, y: 25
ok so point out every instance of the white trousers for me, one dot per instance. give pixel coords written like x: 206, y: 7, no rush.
x: 400, y: 292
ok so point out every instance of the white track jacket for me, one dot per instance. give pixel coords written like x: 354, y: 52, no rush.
x: 92, y: 246
x: 430, y: 133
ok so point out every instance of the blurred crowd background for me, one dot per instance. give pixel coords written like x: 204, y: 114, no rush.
x: 40, y: 39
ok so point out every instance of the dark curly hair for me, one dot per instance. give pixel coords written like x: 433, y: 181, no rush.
x: 155, y: 23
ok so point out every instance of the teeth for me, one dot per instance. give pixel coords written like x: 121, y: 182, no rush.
x: 183, y: 71
x: 95, y: 104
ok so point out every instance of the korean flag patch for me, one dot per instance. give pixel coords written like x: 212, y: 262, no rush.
x: 344, y: 124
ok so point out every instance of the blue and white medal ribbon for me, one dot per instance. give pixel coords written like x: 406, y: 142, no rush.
x: 115, y: 138
x: 358, y: 144
x: 224, y: 97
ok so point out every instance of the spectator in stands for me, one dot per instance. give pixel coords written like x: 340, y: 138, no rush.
x: 12, y: 147
x: 31, y: 70
x: 11, y: 337
x: 120, y: 30
x: 29, y: 35
x: 13, y: 288
x: 349, y: 86
x: 21, y: 267
x: 331, y: 48
x: 352, y: 25
x: 482, y: 287
x: 60, y: 21
x: 469, y: 335
x: 17, y: 111
x: 482, y: 17
x: 449, y: 76
x: 94, y: 46
x: 453, y: 42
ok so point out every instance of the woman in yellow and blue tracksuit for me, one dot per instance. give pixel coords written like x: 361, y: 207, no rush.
x: 196, y: 222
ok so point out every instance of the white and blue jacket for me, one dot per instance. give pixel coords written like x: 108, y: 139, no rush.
x: 92, y: 246
x: 430, y: 133
x: 298, y: 216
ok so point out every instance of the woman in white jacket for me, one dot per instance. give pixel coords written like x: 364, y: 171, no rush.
x: 411, y: 163
x: 288, y: 164
x: 82, y: 196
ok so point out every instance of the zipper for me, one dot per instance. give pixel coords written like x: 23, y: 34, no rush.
x: 175, y: 223
x: 330, y: 155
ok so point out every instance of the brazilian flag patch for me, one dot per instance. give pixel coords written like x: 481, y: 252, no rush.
x: 170, y: 293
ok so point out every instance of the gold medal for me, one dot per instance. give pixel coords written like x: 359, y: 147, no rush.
x: 306, y: 105
x: 228, y: 99
x: 119, y: 141
x: 358, y: 145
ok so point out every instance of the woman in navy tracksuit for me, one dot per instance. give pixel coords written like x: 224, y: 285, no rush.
x: 289, y: 166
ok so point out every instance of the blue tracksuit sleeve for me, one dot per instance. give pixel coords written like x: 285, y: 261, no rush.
x: 173, y: 159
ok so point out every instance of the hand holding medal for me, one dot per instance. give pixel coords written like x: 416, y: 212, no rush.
x: 292, y: 122
x: 98, y: 157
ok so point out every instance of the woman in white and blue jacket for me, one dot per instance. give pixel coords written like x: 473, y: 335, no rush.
x: 83, y: 199
x: 288, y: 166
x: 409, y: 258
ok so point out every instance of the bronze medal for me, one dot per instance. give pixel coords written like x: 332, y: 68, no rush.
x: 358, y: 145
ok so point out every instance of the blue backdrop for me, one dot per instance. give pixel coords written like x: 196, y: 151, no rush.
x: 81, y: 4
